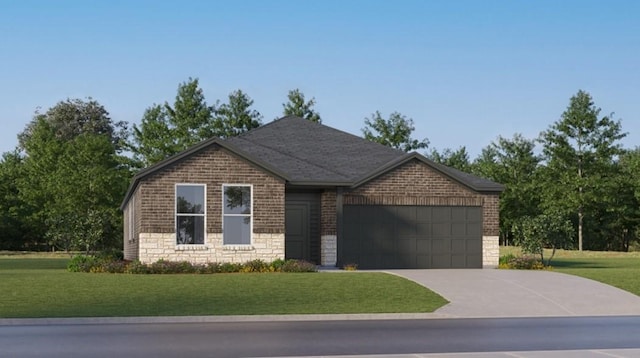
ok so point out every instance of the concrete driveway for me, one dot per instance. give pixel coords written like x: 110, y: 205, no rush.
x: 519, y: 293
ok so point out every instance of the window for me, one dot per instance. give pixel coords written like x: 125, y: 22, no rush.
x: 190, y: 214
x: 131, y: 218
x: 236, y: 214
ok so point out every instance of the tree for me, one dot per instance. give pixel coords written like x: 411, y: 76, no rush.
x: 458, y: 158
x: 74, y: 180
x: 512, y: 162
x: 236, y: 116
x: 166, y: 130
x: 533, y: 234
x: 579, y: 150
x: 298, y: 107
x: 394, y: 132
x: 15, y: 231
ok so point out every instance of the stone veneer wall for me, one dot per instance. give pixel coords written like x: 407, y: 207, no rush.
x: 490, y: 251
x: 266, y: 247
x: 328, y: 250
x: 213, y: 167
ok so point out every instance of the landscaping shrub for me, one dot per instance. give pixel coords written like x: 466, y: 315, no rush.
x: 512, y: 262
x: 109, y: 264
x: 298, y: 266
x: 81, y: 263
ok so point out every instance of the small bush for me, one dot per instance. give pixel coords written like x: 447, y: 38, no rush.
x: 511, y: 262
x: 82, y: 263
x: 255, y: 266
x: 350, y: 267
x: 276, y: 265
x: 298, y: 266
x: 136, y: 267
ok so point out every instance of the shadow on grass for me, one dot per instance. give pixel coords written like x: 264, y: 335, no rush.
x: 33, y: 264
x: 560, y: 263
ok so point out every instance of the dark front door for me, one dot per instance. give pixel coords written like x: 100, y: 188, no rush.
x: 296, y: 245
x: 302, y: 227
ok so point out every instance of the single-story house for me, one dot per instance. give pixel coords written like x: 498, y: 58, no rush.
x: 295, y: 189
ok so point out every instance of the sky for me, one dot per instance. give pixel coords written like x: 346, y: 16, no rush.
x: 466, y: 72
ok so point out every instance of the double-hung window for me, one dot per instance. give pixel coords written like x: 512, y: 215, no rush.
x: 190, y: 214
x: 236, y: 214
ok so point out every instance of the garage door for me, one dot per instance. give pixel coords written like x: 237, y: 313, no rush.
x: 384, y: 236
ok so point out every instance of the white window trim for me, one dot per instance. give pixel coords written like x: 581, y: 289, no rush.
x: 176, y: 214
x: 238, y: 246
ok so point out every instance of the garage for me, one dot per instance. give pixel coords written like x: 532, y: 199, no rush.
x: 412, y: 237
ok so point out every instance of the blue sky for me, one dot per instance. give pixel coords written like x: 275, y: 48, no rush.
x: 464, y: 71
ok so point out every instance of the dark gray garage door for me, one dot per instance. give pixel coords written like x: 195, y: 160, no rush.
x: 384, y: 236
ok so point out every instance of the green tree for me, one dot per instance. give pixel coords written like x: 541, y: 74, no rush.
x: 15, y: 231
x: 512, y: 162
x: 394, y: 132
x: 579, y: 150
x: 458, y: 158
x: 74, y: 181
x: 298, y: 107
x: 166, y: 130
x: 236, y: 116
x: 533, y: 234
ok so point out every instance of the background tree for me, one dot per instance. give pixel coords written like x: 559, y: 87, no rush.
x: 458, y: 158
x: 74, y: 178
x: 236, y: 116
x: 512, y: 162
x: 394, y: 132
x: 579, y: 150
x: 15, y: 231
x: 298, y: 107
x: 167, y: 129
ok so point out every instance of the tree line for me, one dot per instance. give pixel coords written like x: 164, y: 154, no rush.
x: 62, y: 185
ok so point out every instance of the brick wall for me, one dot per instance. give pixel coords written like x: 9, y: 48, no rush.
x: 213, y: 167
x: 491, y: 208
x: 415, y: 183
x: 328, y: 212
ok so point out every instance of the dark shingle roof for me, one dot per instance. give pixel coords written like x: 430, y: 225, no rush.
x: 307, y: 153
x: 311, y: 152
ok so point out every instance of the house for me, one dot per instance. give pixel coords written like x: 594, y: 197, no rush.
x: 297, y: 189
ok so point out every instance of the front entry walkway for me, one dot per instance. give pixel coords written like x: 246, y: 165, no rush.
x: 520, y: 293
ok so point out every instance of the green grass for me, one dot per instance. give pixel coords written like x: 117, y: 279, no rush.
x: 41, y: 287
x: 619, y: 269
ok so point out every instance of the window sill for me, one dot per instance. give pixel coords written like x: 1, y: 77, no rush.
x: 238, y: 248
x: 197, y: 247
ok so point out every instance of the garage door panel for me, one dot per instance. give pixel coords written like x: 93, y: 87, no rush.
x: 423, y: 245
x: 458, y: 229
x: 474, y: 247
x: 440, y: 246
x: 412, y: 236
x: 459, y: 214
x: 458, y: 246
x: 474, y: 214
x: 441, y: 214
x: 423, y: 229
x: 441, y: 229
x: 458, y: 261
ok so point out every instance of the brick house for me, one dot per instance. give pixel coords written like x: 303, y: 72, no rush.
x: 297, y: 189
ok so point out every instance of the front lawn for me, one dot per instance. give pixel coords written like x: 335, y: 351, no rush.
x: 619, y: 269
x: 41, y: 287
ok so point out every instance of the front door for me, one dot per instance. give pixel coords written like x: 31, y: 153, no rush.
x: 296, y: 245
